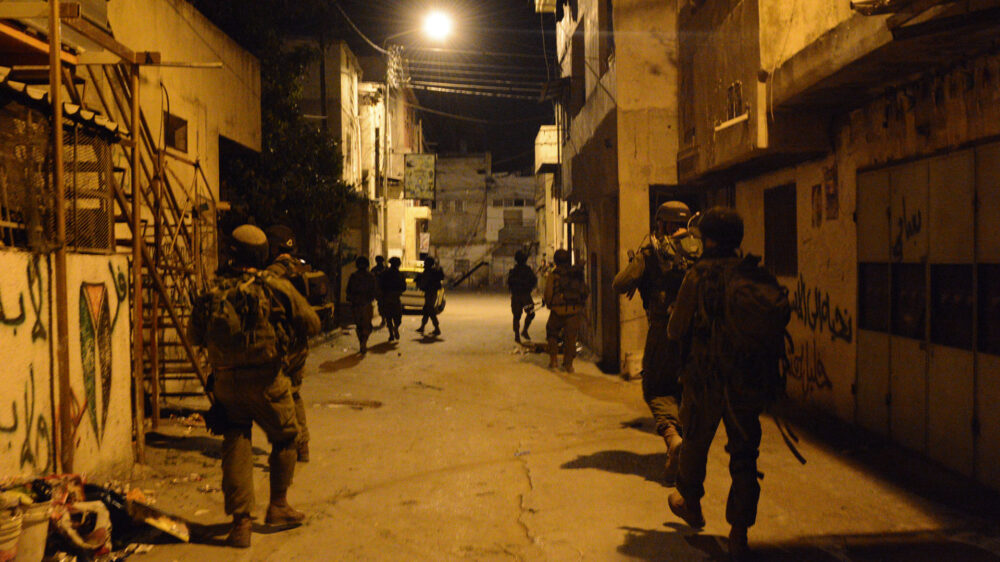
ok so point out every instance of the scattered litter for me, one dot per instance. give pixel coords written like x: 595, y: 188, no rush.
x: 355, y: 404
x: 209, y: 488
x: 194, y: 420
x: 522, y: 453
x: 193, y: 477
x: 422, y: 384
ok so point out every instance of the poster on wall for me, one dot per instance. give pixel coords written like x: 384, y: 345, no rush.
x: 817, y: 205
x: 418, y: 176
x: 832, y: 193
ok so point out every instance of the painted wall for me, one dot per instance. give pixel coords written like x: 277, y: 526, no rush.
x: 100, y: 366
x: 932, y: 119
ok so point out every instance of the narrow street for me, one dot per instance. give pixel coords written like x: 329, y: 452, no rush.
x: 463, y: 447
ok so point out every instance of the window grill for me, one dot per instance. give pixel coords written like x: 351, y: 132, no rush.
x: 27, y: 211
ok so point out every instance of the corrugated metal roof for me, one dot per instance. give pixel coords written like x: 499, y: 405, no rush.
x: 38, y: 96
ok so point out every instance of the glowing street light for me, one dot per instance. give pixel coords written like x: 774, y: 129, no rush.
x: 437, y: 26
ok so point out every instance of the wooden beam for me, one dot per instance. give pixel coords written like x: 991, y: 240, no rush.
x: 101, y: 37
x: 31, y: 10
x: 33, y: 42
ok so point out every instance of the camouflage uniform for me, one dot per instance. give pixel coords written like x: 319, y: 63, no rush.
x: 391, y: 285
x: 260, y: 393
x: 286, y: 266
x: 565, y: 295
x: 656, y: 272
x: 521, y: 281
x: 711, y: 396
x: 361, y: 290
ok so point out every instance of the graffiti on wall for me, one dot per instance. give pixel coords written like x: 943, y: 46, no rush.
x: 36, y: 294
x: 812, y: 307
x: 96, y: 328
x: 36, y: 445
x: 907, y: 227
x: 806, y: 366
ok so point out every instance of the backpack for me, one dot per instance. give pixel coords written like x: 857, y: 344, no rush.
x: 743, y: 313
x: 521, y: 279
x: 240, y: 322
x: 569, y: 289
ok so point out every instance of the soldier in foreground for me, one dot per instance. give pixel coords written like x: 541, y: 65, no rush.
x: 565, y: 295
x: 656, y: 273
x: 430, y: 281
x: 735, y: 314
x: 361, y: 289
x: 246, y: 321
x: 377, y: 272
x: 281, y: 240
x: 391, y: 285
x: 521, y: 281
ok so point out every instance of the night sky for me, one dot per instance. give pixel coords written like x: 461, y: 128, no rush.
x: 496, y: 49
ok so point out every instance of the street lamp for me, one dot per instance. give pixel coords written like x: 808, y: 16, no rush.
x: 437, y: 25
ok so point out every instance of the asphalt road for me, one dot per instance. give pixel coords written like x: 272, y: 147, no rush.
x: 465, y: 447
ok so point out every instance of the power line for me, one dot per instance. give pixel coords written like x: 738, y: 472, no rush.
x: 534, y: 86
x: 448, y: 90
x: 480, y: 53
x: 486, y: 87
x: 477, y: 119
x: 358, y: 31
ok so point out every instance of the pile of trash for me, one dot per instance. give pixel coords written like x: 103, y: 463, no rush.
x: 62, y: 518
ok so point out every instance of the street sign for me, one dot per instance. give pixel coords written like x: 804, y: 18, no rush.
x: 418, y: 176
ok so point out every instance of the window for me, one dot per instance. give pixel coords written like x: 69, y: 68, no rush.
x: 513, y: 218
x: 175, y: 132
x: 498, y: 202
x: 781, y: 242
x: 734, y: 100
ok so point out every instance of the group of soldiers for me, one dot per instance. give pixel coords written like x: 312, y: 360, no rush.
x: 255, y: 326
x: 675, y: 274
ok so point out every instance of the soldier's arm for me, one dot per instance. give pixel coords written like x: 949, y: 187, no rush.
x: 300, y: 312
x: 684, y: 307
x: 627, y: 279
x: 549, y: 288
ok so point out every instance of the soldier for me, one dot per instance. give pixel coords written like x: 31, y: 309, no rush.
x: 377, y: 272
x: 565, y: 294
x: 391, y: 285
x: 521, y: 281
x: 711, y: 392
x: 361, y: 289
x: 430, y: 282
x: 281, y: 240
x: 245, y: 322
x: 656, y: 272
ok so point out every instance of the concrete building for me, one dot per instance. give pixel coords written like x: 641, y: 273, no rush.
x: 550, y: 209
x: 618, y: 142
x: 858, y: 142
x: 72, y: 411
x: 480, y: 218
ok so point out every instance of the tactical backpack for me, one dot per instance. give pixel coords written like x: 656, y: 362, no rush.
x: 569, y: 290
x: 240, y: 322
x: 744, y: 311
x: 521, y: 279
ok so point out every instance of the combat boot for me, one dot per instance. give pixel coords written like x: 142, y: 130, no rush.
x: 285, y: 514
x: 525, y: 335
x: 739, y: 549
x: 239, y: 536
x: 690, y: 512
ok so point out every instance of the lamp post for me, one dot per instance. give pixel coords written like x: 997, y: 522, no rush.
x: 437, y: 26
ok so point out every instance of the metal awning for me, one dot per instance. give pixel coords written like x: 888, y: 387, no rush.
x: 38, y: 97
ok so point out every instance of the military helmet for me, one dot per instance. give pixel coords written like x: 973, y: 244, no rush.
x: 561, y: 257
x: 520, y: 256
x: 281, y: 238
x: 722, y: 225
x: 394, y: 260
x: 673, y: 211
x: 249, y: 246
x: 361, y: 262
x: 429, y: 261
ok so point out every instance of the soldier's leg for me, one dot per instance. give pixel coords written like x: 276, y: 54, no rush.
x: 366, y: 326
x: 300, y: 419
x: 570, y: 332
x: 552, y: 330
x: 742, y: 422
x: 516, y: 310
x: 660, y: 387
x: 274, y: 411
x: 527, y: 322
x: 700, y: 414
x: 237, y: 471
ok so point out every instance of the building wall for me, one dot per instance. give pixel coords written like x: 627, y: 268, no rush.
x: 214, y: 102
x: 787, y: 26
x: 99, y: 368
x: 940, y: 130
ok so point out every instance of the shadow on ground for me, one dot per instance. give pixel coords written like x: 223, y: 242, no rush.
x: 682, y: 544
x: 211, y: 447
x: 649, y: 467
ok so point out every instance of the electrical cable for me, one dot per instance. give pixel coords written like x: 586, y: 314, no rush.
x: 358, y: 31
x: 475, y: 119
x: 448, y: 90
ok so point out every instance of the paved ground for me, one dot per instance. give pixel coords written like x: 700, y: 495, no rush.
x: 464, y: 447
